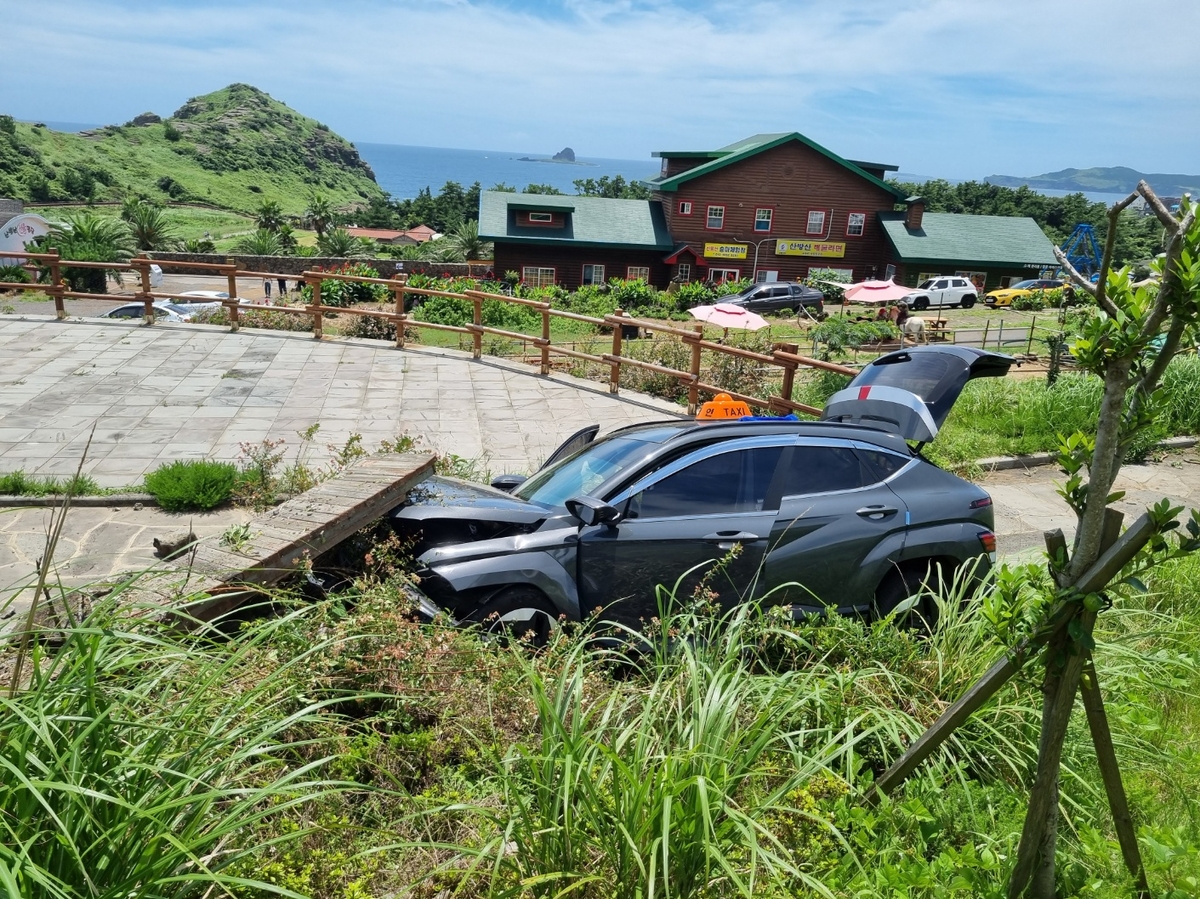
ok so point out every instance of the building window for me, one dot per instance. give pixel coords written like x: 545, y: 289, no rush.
x: 716, y: 218
x: 719, y: 275
x: 762, y: 220
x: 685, y: 207
x: 593, y: 274
x: 684, y: 272
x: 542, y: 218
x: 535, y: 276
x: 856, y: 224
x: 816, y: 222
x: 637, y: 272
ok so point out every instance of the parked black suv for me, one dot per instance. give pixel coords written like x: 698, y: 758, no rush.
x: 776, y: 296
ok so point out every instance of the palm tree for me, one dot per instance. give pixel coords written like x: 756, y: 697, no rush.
x: 342, y: 244
x: 464, y: 242
x: 87, y: 237
x: 319, y: 213
x: 261, y: 243
x: 199, y: 245
x: 152, y: 230
x: 269, y: 215
x: 287, y: 237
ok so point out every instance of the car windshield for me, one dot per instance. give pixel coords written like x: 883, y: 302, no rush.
x: 583, y: 472
x: 925, y: 285
x: 1024, y: 285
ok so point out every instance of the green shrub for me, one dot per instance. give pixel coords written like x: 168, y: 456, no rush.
x: 634, y: 295
x: 445, y: 311
x: 192, y: 485
x: 1032, y: 302
x: 14, y: 274
x: 369, y: 327
x: 838, y: 332
x: 18, y: 483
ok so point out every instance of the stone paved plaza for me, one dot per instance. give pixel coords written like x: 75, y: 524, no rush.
x: 168, y: 392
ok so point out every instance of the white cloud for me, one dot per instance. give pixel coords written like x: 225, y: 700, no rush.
x: 938, y: 86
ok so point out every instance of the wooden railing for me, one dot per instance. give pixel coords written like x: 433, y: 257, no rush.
x: 784, y: 358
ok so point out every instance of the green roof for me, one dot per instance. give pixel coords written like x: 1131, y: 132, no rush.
x: 744, y: 149
x: 986, y: 239
x: 593, y: 221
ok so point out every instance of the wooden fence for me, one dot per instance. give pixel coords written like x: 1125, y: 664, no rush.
x: 783, y: 358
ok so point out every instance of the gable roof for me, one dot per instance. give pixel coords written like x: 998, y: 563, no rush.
x: 744, y: 149
x: 592, y: 221
x: 986, y: 239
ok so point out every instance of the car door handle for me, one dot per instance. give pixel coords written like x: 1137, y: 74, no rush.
x: 732, y: 537
x: 876, y: 513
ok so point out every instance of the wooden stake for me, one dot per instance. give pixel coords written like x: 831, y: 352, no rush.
x: 1110, y: 773
x: 614, y: 374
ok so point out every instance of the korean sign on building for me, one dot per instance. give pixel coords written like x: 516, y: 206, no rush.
x: 809, y: 248
x: 725, y: 250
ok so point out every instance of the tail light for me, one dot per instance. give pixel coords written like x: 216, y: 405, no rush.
x: 981, y: 503
x: 988, y: 540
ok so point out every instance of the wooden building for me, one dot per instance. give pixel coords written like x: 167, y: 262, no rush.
x: 572, y: 241
x: 772, y: 207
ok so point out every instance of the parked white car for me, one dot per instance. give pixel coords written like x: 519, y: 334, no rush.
x: 944, y: 290
x: 162, y: 312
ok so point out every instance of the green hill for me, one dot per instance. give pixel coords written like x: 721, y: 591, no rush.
x: 1114, y: 180
x: 232, y: 148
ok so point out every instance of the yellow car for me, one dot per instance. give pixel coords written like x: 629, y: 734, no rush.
x: 1005, y: 295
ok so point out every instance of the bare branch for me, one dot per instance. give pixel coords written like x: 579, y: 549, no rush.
x: 1161, y: 212
x: 1072, y: 273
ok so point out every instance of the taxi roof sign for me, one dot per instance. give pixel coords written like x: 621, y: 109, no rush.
x: 723, y: 407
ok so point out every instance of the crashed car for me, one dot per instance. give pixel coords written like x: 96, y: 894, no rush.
x: 843, y: 513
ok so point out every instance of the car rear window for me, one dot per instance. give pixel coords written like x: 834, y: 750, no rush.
x: 881, y: 466
x: 822, y: 469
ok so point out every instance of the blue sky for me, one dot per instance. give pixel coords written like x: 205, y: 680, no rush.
x: 953, y: 88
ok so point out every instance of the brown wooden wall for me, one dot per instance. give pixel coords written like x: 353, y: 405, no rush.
x: 568, y: 262
x: 791, y: 179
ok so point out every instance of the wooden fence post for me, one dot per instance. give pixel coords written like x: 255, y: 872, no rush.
x: 231, y: 280
x: 546, y: 338
x: 614, y: 376
x: 56, y: 286
x: 314, y: 308
x: 1029, y: 344
x: 999, y: 336
x: 789, y: 372
x: 694, y: 370
x: 400, y: 316
x: 143, y: 266
x: 477, y: 335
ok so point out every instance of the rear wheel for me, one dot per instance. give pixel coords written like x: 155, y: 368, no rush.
x: 967, y: 302
x: 920, y: 304
x: 907, y: 581
x: 521, y: 612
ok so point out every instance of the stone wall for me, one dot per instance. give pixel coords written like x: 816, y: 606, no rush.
x: 294, y: 266
x: 10, y: 209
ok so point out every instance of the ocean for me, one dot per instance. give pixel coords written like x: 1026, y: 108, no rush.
x: 402, y: 171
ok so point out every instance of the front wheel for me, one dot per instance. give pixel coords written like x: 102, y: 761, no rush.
x: 967, y: 302
x: 920, y: 304
x: 521, y: 612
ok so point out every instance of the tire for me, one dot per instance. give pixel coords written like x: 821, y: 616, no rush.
x: 523, y: 613
x: 967, y: 302
x: 902, y: 583
x: 920, y: 304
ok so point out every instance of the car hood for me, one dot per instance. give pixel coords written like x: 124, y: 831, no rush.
x: 449, y: 498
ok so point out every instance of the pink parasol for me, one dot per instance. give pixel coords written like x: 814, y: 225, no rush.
x: 727, y: 315
x: 877, y: 292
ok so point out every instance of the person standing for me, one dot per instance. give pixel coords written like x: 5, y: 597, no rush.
x: 282, y: 282
x: 267, y: 289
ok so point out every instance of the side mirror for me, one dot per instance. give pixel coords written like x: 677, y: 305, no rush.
x: 592, y: 511
x: 509, y: 482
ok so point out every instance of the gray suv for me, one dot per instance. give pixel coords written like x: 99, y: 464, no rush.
x: 779, y: 296
x: 840, y: 513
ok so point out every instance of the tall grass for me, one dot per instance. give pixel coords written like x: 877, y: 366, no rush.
x: 141, y: 762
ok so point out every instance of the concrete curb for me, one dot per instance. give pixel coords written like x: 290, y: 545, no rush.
x: 87, y: 502
x: 1033, y: 460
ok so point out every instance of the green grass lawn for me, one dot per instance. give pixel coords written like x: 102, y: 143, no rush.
x: 188, y: 221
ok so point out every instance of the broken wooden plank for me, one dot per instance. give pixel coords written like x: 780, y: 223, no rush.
x: 282, y: 540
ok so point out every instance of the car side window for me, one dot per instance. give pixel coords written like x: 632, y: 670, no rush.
x: 941, y: 285
x: 127, y: 312
x: 724, y: 483
x: 822, y: 469
x: 881, y: 466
